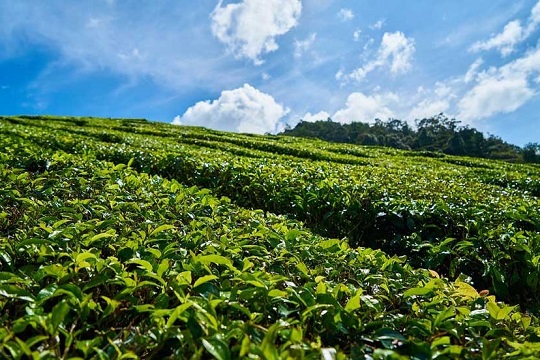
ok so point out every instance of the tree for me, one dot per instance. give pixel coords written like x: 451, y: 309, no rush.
x: 367, y: 139
x: 531, y: 153
x: 455, y: 145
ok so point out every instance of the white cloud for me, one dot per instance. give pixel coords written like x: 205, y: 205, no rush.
x: 360, y: 107
x: 480, y: 94
x: 400, y: 49
x: 249, y: 28
x: 443, y: 90
x: 502, y: 90
x: 245, y: 109
x: 378, y: 25
x: 300, y: 47
x: 505, y: 42
x: 322, y: 115
x: 366, y: 108
x: 356, y: 35
x: 512, y: 34
x: 494, y: 95
x: 346, y: 14
x: 427, y: 108
x: 535, y: 14
x: 534, y: 20
x: 473, y: 70
x: 340, y: 75
x: 368, y: 44
x: 395, y: 52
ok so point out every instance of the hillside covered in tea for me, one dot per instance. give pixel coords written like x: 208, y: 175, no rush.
x: 130, y: 239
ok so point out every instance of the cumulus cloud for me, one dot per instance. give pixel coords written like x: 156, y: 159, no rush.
x: 427, y: 108
x: 249, y: 28
x: 245, y: 109
x: 494, y: 95
x: 512, y: 34
x: 395, y: 52
x: 346, y: 14
x: 366, y: 108
x: 503, y: 89
x: 322, y: 115
x: 505, y: 42
x: 360, y: 107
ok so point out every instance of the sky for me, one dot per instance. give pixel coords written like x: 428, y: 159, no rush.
x: 258, y: 66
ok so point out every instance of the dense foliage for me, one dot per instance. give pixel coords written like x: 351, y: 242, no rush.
x: 437, y: 133
x: 107, y: 250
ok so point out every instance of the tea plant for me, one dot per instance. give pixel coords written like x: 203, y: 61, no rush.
x: 105, y: 253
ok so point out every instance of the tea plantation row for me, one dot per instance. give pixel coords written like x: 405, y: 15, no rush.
x: 101, y: 260
x: 454, y: 215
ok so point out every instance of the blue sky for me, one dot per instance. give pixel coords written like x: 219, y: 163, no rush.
x: 257, y: 65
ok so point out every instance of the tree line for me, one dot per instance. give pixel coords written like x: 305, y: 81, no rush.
x: 437, y: 133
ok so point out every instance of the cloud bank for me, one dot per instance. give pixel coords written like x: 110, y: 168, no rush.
x: 360, y: 107
x: 245, y: 109
x: 503, y: 89
x: 513, y: 34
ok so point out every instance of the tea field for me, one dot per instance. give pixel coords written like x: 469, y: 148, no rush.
x: 131, y: 239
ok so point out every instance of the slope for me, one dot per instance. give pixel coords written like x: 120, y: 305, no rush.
x: 83, y: 239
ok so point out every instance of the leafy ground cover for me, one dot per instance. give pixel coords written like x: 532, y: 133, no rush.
x: 104, y: 259
x: 454, y: 215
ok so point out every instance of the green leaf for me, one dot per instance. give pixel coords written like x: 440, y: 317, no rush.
x: 184, y: 278
x: 59, y: 313
x: 354, y: 302
x: 215, y: 259
x: 493, y: 309
x: 9, y: 278
x: 14, y: 292
x: 417, y: 292
x: 303, y: 268
x: 268, y: 346
x: 204, y: 279
x: 444, y: 315
x: 443, y: 340
x: 503, y: 312
x: 161, y: 228
x: 277, y: 293
x: 466, y: 290
x: 217, y: 348
x: 24, y: 347
x: 332, y: 244
x: 101, y: 236
x: 163, y: 266
x: 313, y: 308
x: 179, y: 310
x: 83, y: 256
x: 59, y: 223
x: 143, y: 264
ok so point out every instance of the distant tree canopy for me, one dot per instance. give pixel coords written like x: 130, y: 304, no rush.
x: 531, y: 153
x: 437, y: 133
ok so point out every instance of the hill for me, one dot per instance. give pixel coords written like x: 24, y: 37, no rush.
x: 438, y: 133
x: 125, y: 238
